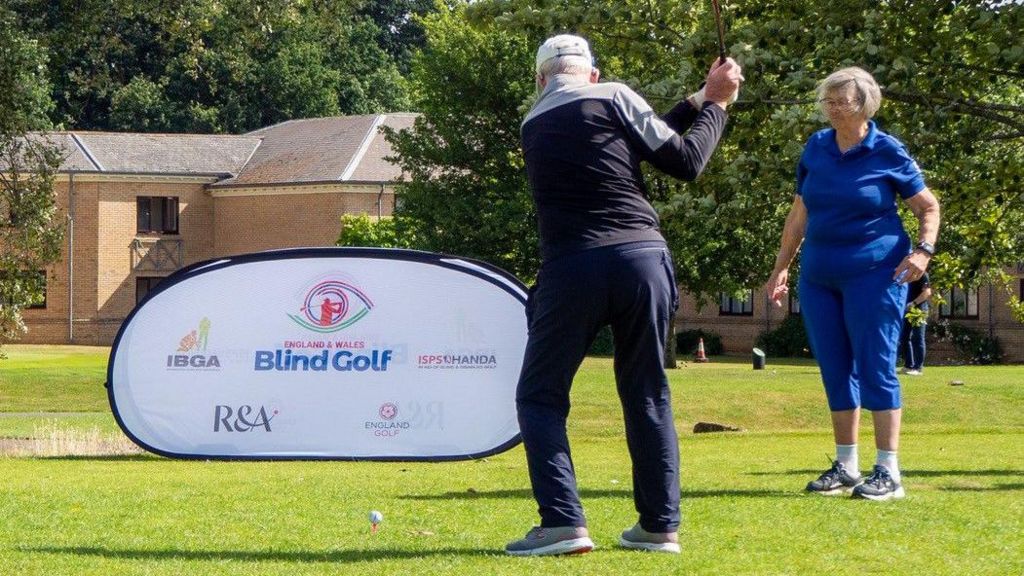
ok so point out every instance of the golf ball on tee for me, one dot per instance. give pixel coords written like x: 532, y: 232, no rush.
x: 376, y: 517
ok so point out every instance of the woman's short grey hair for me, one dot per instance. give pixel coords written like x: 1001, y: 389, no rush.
x: 869, y: 95
x: 575, y: 65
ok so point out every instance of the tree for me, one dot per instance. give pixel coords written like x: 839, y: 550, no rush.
x: 210, y: 65
x: 30, y: 231
x: 400, y: 31
x: 950, y: 73
x: 467, y: 189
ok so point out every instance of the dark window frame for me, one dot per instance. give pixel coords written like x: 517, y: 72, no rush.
x: 163, y: 209
x: 146, y: 284
x: 946, y: 309
x: 727, y: 304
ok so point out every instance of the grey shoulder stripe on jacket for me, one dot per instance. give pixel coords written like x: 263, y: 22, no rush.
x: 638, y: 115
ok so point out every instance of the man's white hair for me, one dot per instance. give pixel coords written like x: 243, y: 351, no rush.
x: 575, y: 65
x: 869, y: 95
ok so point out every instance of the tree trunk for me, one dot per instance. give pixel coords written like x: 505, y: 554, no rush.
x: 670, y: 343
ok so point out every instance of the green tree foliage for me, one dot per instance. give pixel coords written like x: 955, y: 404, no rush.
x: 211, y: 65
x: 25, y: 98
x: 400, y: 28
x: 467, y: 189
x: 30, y: 229
x: 951, y: 75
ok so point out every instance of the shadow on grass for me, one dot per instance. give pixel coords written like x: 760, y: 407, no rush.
x: 591, y: 493
x: 109, y: 458
x: 996, y: 488
x: 911, y: 472
x: 333, y: 556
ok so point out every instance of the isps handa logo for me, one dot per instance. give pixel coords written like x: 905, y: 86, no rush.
x: 191, y: 352
x: 332, y: 305
x: 244, y: 418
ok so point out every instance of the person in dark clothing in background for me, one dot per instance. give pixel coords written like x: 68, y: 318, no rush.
x: 604, y: 262
x: 912, y: 347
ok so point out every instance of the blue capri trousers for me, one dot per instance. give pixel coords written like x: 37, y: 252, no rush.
x: 853, y: 325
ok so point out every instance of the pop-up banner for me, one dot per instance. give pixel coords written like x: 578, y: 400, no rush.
x: 332, y: 353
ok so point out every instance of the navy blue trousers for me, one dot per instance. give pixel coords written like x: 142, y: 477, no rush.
x: 912, y: 346
x: 632, y: 288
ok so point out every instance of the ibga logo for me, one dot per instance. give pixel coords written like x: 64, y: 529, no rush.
x: 245, y: 418
x: 332, y: 305
x: 191, y: 351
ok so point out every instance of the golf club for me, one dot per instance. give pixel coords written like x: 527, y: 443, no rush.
x: 721, y: 30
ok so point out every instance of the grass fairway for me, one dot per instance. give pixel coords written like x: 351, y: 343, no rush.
x: 742, y: 506
x: 53, y: 379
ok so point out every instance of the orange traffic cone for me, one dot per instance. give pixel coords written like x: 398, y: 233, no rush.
x: 701, y: 356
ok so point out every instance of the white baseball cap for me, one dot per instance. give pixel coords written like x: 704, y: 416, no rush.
x: 562, y: 45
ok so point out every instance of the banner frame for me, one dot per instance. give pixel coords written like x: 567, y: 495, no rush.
x: 478, y: 268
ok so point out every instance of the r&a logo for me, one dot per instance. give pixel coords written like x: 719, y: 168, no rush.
x: 245, y: 418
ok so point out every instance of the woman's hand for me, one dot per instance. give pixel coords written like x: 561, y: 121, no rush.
x: 912, y: 267
x: 777, y: 286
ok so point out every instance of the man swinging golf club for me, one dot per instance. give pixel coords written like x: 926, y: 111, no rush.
x: 604, y: 262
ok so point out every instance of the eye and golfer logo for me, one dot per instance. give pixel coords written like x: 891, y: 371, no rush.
x: 332, y: 305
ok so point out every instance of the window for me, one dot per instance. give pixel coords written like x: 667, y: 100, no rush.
x: 23, y: 282
x: 143, y: 286
x: 794, y: 304
x: 959, y: 303
x: 157, y: 214
x: 729, y: 305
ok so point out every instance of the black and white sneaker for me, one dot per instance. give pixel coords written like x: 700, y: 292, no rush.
x: 879, y: 486
x: 834, y: 481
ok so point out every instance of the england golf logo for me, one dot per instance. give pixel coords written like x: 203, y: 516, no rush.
x: 387, y: 427
x: 332, y: 305
x: 388, y: 411
x: 191, y: 352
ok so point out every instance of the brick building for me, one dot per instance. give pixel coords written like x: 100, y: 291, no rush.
x: 740, y: 321
x: 140, y: 206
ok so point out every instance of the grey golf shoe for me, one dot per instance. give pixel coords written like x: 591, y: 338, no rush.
x: 879, y: 486
x: 540, y: 541
x: 835, y: 481
x: 636, y: 538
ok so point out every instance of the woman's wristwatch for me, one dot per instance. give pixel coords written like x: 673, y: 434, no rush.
x: 926, y: 247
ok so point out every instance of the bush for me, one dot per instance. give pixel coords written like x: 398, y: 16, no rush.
x: 686, y: 342
x: 972, y: 346
x: 364, y: 230
x: 789, y: 339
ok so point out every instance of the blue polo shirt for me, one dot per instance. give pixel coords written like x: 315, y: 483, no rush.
x: 852, y: 222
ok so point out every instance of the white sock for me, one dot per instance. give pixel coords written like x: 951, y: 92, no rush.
x: 888, y: 459
x: 846, y: 454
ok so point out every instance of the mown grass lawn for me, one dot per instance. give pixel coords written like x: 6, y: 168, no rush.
x: 743, y: 510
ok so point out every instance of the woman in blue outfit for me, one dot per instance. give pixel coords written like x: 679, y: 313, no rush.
x: 857, y: 260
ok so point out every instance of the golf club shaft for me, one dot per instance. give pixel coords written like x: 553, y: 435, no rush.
x: 721, y: 30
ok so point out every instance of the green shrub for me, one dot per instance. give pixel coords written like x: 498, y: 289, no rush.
x: 971, y: 346
x: 789, y: 339
x: 686, y: 342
